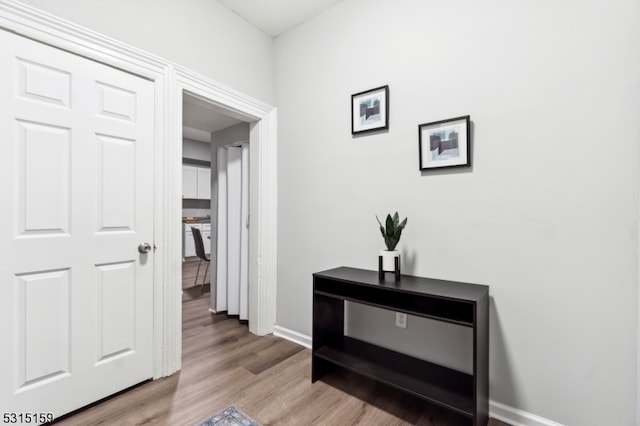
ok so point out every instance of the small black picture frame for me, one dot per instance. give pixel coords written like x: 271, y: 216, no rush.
x: 445, y: 143
x: 370, y: 110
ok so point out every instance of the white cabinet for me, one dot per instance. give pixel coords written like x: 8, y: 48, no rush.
x: 196, y: 182
x: 189, y: 246
x: 205, y: 229
x: 189, y: 182
x: 204, y: 183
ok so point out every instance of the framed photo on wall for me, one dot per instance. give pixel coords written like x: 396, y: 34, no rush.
x: 370, y: 110
x: 445, y: 143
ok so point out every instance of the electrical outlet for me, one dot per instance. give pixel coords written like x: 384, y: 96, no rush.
x: 401, y: 320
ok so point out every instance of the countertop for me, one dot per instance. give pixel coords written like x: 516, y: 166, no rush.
x: 192, y: 219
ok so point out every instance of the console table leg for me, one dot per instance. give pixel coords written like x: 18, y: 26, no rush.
x: 319, y: 367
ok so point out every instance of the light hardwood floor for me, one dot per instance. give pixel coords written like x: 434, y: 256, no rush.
x: 267, y: 377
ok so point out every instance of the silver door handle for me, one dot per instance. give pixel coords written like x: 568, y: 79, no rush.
x: 144, y: 248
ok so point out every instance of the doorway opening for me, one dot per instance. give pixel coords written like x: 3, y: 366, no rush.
x: 260, y: 119
x: 207, y: 132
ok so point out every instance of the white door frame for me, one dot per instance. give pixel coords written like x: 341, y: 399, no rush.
x: 170, y: 80
x: 263, y: 138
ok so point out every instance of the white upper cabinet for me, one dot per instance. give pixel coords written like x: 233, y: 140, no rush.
x: 196, y: 182
x: 204, y: 183
x: 189, y: 182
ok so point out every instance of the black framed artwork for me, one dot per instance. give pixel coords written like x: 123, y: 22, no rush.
x: 370, y: 110
x: 445, y: 143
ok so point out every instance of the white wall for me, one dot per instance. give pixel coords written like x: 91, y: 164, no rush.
x: 547, y: 216
x: 202, y: 35
x: 230, y: 135
x: 196, y: 150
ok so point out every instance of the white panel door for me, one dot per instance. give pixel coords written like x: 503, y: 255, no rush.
x: 76, y: 182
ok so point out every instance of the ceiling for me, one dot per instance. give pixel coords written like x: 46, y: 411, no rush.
x: 202, y: 117
x: 276, y: 17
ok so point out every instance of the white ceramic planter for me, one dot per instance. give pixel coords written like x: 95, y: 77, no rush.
x: 388, y: 260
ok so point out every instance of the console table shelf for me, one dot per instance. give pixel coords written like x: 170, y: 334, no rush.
x: 459, y: 303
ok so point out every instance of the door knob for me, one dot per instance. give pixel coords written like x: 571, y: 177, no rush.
x: 144, y: 248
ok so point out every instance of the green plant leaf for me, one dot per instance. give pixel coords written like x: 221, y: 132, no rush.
x: 382, y: 231
x: 392, y: 230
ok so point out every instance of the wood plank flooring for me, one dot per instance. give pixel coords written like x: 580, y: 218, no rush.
x: 267, y: 377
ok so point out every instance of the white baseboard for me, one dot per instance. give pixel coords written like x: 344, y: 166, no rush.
x: 294, y: 336
x: 498, y: 411
x: 516, y: 417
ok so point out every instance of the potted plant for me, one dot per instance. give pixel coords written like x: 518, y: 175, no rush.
x: 391, y: 232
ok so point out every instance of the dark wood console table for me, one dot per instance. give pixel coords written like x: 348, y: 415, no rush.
x: 459, y: 303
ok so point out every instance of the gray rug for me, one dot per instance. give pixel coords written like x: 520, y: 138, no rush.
x: 230, y: 416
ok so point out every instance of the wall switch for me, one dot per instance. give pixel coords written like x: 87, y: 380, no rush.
x: 401, y: 320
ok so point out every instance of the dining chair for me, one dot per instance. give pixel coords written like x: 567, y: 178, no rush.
x: 197, y: 239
